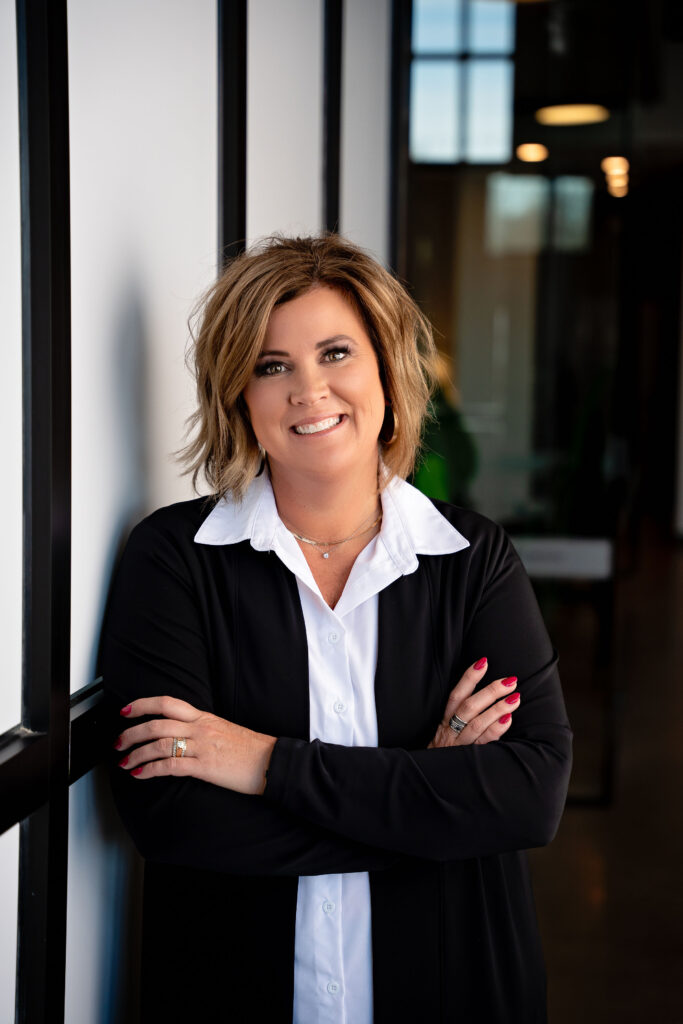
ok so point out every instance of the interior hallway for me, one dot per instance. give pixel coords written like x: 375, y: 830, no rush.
x: 608, y: 888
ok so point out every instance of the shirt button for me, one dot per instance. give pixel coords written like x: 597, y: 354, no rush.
x: 332, y: 987
x: 340, y: 707
x: 328, y: 906
x: 332, y: 638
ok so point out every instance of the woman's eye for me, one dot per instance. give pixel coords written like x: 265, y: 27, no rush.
x: 335, y: 355
x: 269, y: 369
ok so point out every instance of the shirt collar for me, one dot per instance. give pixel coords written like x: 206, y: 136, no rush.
x: 411, y: 524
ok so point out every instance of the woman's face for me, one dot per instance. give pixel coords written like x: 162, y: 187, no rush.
x: 315, y: 400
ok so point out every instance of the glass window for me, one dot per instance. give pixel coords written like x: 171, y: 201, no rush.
x: 516, y: 213
x: 489, y: 111
x: 434, y: 111
x: 436, y: 26
x: 491, y: 26
x: 571, y: 220
x: 11, y: 508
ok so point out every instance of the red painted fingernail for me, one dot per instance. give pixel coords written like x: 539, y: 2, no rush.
x: 123, y: 762
x: 512, y: 698
x: 505, y: 718
x: 118, y: 743
x: 136, y: 771
x: 480, y: 664
x: 510, y: 681
x: 127, y: 709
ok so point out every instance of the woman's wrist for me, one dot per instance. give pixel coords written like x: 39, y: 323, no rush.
x: 264, y: 754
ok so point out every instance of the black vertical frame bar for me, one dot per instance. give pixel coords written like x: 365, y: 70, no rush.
x: 401, y: 23
x: 232, y: 128
x: 333, y: 28
x: 46, y: 314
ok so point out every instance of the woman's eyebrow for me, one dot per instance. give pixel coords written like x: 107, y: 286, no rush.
x: 318, y: 344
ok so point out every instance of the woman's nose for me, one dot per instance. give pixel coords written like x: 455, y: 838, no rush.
x: 309, y: 385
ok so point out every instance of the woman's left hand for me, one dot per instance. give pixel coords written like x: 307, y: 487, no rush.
x: 217, y: 751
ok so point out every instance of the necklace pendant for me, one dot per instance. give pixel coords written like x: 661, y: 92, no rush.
x: 326, y: 554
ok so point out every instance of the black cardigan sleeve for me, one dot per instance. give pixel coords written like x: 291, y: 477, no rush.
x: 154, y: 643
x: 456, y: 802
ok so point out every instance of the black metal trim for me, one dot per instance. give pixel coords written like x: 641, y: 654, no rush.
x: 332, y: 100
x: 24, y: 758
x: 46, y: 290
x: 90, y: 738
x: 402, y: 16
x: 232, y: 128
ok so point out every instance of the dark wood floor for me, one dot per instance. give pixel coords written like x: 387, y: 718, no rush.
x: 608, y: 889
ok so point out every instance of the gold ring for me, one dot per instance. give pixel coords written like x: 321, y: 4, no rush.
x: 179, y: 744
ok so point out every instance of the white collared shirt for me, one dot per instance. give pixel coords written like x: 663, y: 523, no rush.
x: 333, y: 938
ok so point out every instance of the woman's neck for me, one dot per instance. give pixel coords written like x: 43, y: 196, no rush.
x: 328, y: 509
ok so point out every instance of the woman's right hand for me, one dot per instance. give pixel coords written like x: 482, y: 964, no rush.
x: 488, y: 712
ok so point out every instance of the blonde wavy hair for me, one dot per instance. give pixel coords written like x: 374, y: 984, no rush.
x: 231, y: 321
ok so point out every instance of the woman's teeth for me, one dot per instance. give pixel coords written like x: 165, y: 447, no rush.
x: 313, y: 428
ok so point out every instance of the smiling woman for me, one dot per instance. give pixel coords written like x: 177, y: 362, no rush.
x: 331, y: 783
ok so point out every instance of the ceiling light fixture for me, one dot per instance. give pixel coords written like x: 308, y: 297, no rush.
x: 615, y: 165
x: 532, y: 152
x: 572, y: 113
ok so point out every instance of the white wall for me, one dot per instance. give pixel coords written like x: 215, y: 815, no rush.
x: 10, y: 378
x: 9, y: 878
x: 284, y: 117
x: 143, y: 113
x: 366, y: 79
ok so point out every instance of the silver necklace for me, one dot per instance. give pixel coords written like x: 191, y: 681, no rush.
x: 334, y: 543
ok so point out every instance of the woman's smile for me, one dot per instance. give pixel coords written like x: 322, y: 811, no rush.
x: 315, y: 399
x: 310, y: 428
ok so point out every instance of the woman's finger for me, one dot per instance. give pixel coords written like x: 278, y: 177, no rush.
x: 473, y: 705
x: 465, y: 685
x: 166, y: 766
x: 488, y: 718
x: 156, y: 751
x: 496, y: 730
x: 157, y: 728
x: 169, y: 707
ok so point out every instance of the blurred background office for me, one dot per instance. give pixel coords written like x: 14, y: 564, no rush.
x: 520, y: 166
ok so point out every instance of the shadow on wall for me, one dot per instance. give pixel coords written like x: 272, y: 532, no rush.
x: 105, y: 871
x: 128, y: 347
x: 104, y: 915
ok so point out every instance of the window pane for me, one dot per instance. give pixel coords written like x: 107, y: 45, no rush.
x: 516, y: 213
x: 489, y: 111
x: 491, y: 26
x: 571, y: 224
x: 9, y: 889
x: 10, y: 382
x: 436, y: 26
x: 434, y: 107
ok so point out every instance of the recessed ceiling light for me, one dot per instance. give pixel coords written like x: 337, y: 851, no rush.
x: 532, y: 152
x: 615, y: 165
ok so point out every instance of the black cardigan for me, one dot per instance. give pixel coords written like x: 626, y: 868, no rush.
x: 442, y: 832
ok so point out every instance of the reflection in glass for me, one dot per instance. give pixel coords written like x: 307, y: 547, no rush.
x: 436, y: 26
x: 10, y: 381
x: 491, y: 26
x: 434, y: 106
x: 489, y: 111
x: 571, y: 223
x: 516, y: 213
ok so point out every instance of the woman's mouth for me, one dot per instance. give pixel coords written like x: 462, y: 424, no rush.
x: 319, y: 426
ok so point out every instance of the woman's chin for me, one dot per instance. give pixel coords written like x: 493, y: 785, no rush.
x: 329, y: 464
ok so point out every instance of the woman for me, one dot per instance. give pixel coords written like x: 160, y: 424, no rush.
x: 343, y: 720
